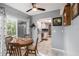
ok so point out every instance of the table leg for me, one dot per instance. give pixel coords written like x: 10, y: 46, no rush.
x: 26, y: 51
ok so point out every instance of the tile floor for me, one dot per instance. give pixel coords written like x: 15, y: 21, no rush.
x: 45, y: 46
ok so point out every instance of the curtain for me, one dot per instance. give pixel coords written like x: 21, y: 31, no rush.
x: 2, y: 32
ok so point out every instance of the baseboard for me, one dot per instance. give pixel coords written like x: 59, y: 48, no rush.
x: 40, y: 54
x: 58, y: 50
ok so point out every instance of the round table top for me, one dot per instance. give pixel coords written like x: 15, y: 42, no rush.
x: 22, y: 42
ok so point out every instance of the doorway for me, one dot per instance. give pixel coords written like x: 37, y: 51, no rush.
x: 44, y: 35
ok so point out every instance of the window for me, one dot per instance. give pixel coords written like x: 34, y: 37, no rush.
x: 10, y: 26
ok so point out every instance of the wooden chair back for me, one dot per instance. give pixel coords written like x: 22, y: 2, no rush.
x: 7, y: 40
x: 14, y: 50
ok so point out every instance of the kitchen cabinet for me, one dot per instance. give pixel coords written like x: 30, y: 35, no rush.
x: 67, y: 15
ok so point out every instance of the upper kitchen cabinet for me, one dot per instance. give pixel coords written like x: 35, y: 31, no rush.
x: 67, y: 15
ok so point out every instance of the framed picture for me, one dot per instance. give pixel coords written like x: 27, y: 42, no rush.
x: 57, y: 21
x: 75, y: 10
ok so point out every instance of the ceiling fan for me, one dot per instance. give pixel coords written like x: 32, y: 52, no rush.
x: 34, y: 8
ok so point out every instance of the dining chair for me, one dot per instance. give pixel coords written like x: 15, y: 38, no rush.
x: 14, y: 50
x: 33, y: 48
x: 7, y: 40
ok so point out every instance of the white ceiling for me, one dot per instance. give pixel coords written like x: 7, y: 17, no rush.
x: 23, y: 7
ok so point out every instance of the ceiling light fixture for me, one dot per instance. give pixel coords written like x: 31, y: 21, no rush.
x: 34, y: 9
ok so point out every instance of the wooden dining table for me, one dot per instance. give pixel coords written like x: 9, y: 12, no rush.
x: 23, y: 42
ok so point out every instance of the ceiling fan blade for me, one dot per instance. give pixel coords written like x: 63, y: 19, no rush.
x: 41, y: 9
x: 28, y: 10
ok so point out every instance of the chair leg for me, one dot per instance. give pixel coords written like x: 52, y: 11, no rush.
x: 35, y: 53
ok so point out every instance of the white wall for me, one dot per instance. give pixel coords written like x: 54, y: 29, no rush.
x: 57, y: 37
x: 71, y: 38
x: 57, y: 40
